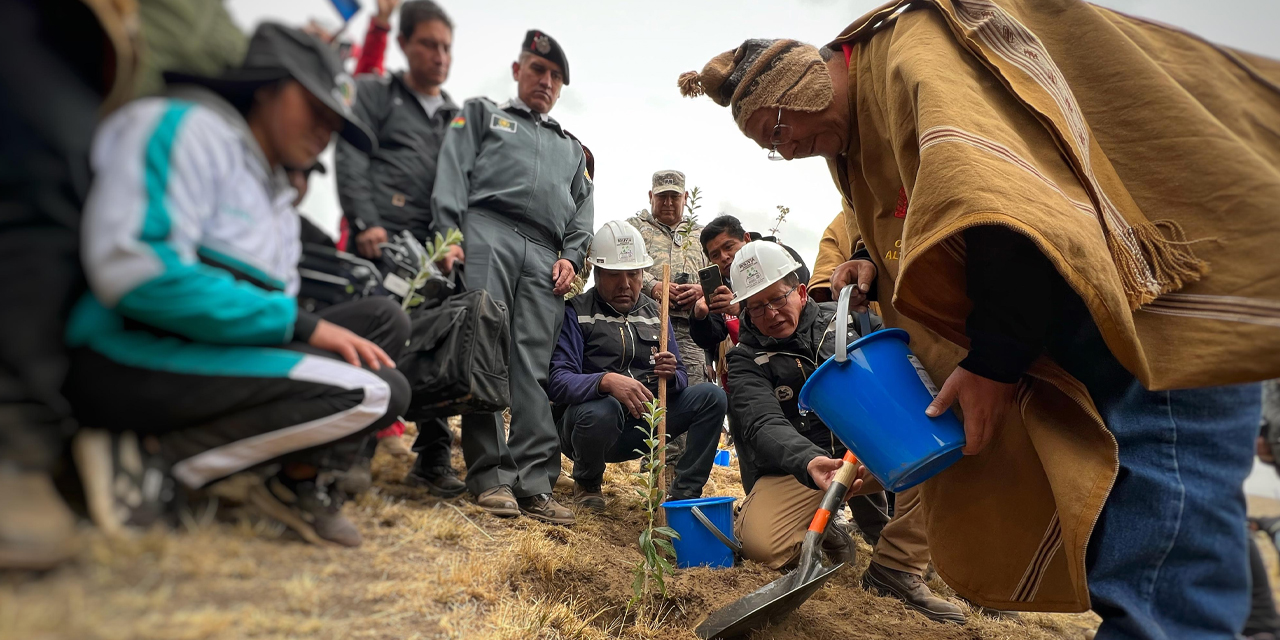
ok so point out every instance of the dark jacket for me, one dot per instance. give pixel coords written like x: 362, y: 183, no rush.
x: 595, y: 340
x: 503, y: 161
x: 710, y: 331
x: 765, y: 378
x: 392, y: 187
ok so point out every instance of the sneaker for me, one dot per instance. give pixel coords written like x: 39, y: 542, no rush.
x: 311, y: 504
x: 912, y: 591
x: 545, y: 508
x: 124, y: 485
x: 357, y: 479
x: 499, y: 501
x: 441, y: 481
x: 588, y: 497
x: 395, y: 447
x: 37, y: 530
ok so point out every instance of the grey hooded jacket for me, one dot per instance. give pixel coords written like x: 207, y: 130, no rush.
x: 505, y: 162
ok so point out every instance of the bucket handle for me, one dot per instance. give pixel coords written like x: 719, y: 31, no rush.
x: 842, y: 321
x: 715, y: 531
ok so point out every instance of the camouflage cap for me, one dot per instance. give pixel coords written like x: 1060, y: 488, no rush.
x: 668, y: 180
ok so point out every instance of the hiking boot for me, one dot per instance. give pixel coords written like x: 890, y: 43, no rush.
x: 357, y: 479
x: 839, y: 545
x: 441, y: 481
x: 912, y: 591
x: 499, y: 501
x: 316, y: 506
x: 124, y: 485
x: 37, y: 530
x: 545, y: 508
x: 588, y: 497
x: 395, y: 447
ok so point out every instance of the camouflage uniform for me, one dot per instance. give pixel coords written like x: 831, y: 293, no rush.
x: 678, y: 247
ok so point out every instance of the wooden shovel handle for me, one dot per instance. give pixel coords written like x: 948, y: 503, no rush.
x: 835, y: 493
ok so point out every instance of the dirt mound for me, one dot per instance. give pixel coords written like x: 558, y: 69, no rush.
x: 431, y: 569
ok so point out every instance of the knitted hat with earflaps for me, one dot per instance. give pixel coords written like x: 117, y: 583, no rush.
x: 763, y: 74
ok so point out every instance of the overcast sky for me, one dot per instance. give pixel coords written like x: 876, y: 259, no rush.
x: 624, y: 58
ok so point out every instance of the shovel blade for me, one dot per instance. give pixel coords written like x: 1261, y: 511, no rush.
x: 764, y: 605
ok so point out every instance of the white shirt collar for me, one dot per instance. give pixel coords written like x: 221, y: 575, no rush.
x: 519, y: 104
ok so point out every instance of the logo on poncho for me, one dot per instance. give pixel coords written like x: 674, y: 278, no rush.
x: 458, y: 122
x: 784, y: 393
x: 499, y: 123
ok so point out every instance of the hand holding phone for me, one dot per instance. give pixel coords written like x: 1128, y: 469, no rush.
x: 710, y: 279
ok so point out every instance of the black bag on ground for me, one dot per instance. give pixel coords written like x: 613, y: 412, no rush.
x: 456, y: 360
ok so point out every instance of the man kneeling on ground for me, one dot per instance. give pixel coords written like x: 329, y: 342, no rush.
x: 606, y: 365
x: 784, y: 337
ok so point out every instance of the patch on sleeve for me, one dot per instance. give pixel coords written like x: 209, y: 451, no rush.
x: 784, y: 393
x: 499, y: 123
x: 458, y: 123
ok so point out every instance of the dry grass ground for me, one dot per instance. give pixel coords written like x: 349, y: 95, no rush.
x: 430, y: 569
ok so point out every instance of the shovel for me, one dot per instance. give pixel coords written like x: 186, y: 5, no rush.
x: 784, y: 595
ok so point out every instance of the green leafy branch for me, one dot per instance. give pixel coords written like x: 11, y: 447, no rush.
x: 690, y: 222
x: 654, y: 567
x: 782, y: 217
x: 435, y: 250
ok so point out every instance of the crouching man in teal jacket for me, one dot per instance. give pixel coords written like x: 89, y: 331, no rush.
x: 192, y: 360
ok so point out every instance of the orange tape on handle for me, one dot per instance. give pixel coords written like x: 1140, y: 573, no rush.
x: 820, y: 519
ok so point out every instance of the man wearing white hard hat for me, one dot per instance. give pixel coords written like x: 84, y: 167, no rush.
x: 784, y: 336
x: 607, y: 364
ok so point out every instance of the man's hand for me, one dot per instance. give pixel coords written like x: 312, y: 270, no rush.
x: 562, y: 274
x: 861, y: 273
x: 984, y: 402
x: 823, y: 471
x: 451, y: 255
x: 664, y: 365
x: 700, y: 310
x: 386, y: 8
x: 722, y: 301
x: 629, y: 391
x: 367, y: 242
x: 351, y: 347
x: 684, y: 295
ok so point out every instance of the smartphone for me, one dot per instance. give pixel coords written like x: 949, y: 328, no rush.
x: 711, y: 280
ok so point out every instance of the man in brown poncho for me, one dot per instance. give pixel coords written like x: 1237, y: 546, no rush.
x: 1074, y: 214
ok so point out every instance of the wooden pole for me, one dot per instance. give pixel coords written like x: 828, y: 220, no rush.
x: 662, y: 382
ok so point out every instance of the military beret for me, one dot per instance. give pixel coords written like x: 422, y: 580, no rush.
x: 544, y: 46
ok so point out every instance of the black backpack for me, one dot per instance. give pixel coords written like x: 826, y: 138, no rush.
x: 456, y: 359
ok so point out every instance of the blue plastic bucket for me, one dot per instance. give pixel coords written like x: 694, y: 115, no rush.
x: 722, y: 457
x: 874, y: 401
x: 697, y: 546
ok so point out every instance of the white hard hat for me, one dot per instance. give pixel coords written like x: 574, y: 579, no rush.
x: 618, y: 246
x: 757, y: 265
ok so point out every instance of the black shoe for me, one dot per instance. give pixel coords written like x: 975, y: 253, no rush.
x: 124, y: 484
x: 912, y: 591
x: 441, y: 481
x: 839, y: 545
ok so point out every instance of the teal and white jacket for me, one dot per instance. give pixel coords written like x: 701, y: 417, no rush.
x: 189, y: 240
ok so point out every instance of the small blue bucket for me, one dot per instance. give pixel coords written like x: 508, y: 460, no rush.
x: 873, y: 398
x: 697, y: 546
x: 722, y: 458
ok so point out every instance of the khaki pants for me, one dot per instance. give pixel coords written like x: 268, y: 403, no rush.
x: 777, y: 512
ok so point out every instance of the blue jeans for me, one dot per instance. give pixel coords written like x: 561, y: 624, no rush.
x: 1168, y: 559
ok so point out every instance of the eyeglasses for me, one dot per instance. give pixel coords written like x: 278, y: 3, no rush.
x: 781, y: 135
x: 775, y: 304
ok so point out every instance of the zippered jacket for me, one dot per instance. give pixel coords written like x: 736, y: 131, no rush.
x: 524, y: 170
x: 187, y: 234
x: 391, y: 188
x: 765, y: 378
x: 595, y: 339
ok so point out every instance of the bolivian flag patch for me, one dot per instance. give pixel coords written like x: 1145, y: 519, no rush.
x: 458, y: 123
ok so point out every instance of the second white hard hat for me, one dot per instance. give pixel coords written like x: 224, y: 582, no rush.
x: 618, y: 246
x: 756, y: 266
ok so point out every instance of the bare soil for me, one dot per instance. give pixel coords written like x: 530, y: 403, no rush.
x: 433, y: 569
